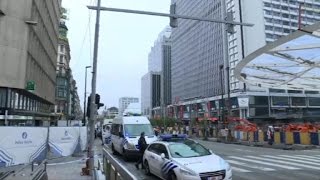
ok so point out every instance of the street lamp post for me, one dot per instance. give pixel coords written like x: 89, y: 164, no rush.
x: 221, y: 106
x: 85, y: 97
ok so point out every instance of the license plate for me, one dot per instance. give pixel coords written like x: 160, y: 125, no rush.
x: 215, y: 178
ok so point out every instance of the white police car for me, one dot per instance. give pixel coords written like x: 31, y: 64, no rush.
x: 176, y: 157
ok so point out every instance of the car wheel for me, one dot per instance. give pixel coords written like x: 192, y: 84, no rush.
x: 172, y: 176
x: 114, y: 152
x: 146, y: 168
x: 125, y: 155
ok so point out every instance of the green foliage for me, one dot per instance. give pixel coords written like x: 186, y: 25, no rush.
x: 163, y: 122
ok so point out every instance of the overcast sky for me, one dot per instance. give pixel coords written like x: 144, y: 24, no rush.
x: 124, y: 44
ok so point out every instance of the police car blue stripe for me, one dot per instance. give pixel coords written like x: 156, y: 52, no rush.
x: 168, y: 167
x: 171, y: 168
x: 165, y: 164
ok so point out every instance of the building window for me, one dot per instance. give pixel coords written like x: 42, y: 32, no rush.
x: 62, y: 48
x: 3, y: 97
x: 61, y: 58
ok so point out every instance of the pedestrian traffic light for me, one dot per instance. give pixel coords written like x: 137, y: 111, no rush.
x: 97, y: 101
x: 173, y: 20
x: 88, y: 106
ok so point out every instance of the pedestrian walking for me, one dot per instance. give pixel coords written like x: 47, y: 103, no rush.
x: 270, y: 134
x: 142, y: 147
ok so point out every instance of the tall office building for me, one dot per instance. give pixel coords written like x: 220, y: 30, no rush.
x: 197, y: 52
x: 125, y: 101
x: 155, y: 57
x: 28, y: 53
x: 272, y: 19
x: 159, y: 67
x: 150, y: 93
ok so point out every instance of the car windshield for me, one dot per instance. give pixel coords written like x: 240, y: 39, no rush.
x: 187, y: 149
x: 137, y: 129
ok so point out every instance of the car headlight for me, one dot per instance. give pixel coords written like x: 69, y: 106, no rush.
x: 131, y: 146
x: 187, y: 172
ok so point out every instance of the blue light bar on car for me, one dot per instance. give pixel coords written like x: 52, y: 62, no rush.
x: 173, y: 137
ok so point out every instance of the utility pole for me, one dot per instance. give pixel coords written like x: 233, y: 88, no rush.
x: 190, y: 122
x: 93, y: 107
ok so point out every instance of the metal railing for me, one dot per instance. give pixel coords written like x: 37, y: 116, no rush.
x: 113, y: 169
x: 27, y: 171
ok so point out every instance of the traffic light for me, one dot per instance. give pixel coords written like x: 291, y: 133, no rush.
x: 97, y: 101
x: 88, y: 106
x: 230, y: 27
x: 173, y: 20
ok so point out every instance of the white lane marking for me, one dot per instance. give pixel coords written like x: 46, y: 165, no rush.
x: 308, y: 158
x: 313, y: 157
x: 265, y: 163
x: 250, y: 166
x: 244, y: 150
x: 284, y: 162
x: 315, y: 151
x: 292, y: 159
x: 239, y: 169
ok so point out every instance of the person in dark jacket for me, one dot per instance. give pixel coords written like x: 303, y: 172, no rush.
x: 142, y: 147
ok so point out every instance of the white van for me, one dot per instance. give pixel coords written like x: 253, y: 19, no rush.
x: 125, y: 133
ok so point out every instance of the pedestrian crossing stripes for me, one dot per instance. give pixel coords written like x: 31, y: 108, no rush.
x: 249, y: 164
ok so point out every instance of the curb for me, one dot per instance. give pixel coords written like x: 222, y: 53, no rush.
x: 264, y: 145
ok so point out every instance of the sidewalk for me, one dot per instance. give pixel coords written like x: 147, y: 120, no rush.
x: 70, y: 168
x: 264, y: 144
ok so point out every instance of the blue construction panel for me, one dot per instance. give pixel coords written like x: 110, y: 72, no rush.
x: 238, y: 134
x: 282, y: 137
x: 256, y: 136
x: 265, y: 136
x: 314, y: 138
x: 296, y: 137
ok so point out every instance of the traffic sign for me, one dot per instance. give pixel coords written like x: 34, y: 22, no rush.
x: 31, y: 86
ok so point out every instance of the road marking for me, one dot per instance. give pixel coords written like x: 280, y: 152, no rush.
x: 292, y: 159
x: 265, y: 163
x: 302, y: 158
x: 239, y: 169
x: 245, y: 150
x: 313, y: 157
x: 312, y: 151
x: 284, y: 162
x: 250, y: 166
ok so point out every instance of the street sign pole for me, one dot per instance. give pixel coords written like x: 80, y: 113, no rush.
x: 93, y: 107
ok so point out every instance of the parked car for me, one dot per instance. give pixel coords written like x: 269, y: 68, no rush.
x: 182, y: 159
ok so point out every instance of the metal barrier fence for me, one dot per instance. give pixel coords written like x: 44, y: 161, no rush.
x: 28, y: 171
x: 114, y: 170
x: 302, y: 138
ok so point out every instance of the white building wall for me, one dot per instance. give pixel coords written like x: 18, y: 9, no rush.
x: 125, y: 101
x: 146, y: 94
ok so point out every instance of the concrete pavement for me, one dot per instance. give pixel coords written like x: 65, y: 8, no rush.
x: 252, y: 163
x: 69, y: 168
